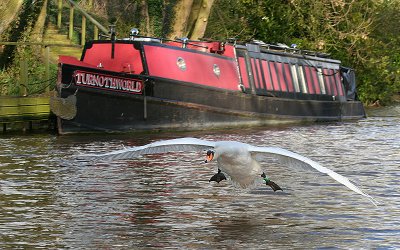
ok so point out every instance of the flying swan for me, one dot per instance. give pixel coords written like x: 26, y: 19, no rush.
x: 235, y: 159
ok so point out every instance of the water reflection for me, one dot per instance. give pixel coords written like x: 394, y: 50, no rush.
x: 50, y: 200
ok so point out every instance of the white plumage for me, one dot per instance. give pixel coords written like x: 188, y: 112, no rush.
x: 236, y: 159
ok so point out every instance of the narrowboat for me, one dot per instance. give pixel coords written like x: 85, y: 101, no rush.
x: 146, y: 83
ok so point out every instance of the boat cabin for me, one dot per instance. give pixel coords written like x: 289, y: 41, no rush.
x: 253, y: 68
x: 148, y: 83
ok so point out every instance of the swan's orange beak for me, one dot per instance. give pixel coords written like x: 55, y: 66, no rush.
x: 210, y: 156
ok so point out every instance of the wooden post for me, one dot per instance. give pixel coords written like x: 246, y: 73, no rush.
x: 83, y: 34
x: 59, y: 14
x: 71, y: 22
x: 89, y: 17
x: 47, y: 69
x: 23, y: 81
x: 95, y: 29
x: 96, y: 33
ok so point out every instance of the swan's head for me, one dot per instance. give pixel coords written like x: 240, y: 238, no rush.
x: 210, y: 156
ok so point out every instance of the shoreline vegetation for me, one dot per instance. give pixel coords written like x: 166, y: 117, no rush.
x: 359, y: 33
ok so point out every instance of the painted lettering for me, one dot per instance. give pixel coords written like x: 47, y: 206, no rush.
x: 78, y: 78
x: 108, y: 82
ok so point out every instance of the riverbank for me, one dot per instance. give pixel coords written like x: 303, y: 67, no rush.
x: 25, y: 114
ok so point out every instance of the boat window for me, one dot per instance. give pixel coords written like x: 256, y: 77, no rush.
x: 281, y: 79
x: 333, y: 82
x: 274, y: 76
x: 254, y: 72
x: 295, y: 78
x: 326, y: 81
x: 260, y: 74
x: 315, y: 80
x: 339, y: 83
x: 321, y: 81
x: 243, y: 72
x: 288, y: 77
x: 180, y: 62
x: 330, y: 82
x: 267, y: 75
x: 302, y: 79
x: 216, y: 70
x: 309, y: 80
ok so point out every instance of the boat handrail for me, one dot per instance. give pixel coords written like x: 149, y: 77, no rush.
x: 294, y: 50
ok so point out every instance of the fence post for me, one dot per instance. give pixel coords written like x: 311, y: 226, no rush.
x: 95, y: 29
x: 96, y: 33
x: 59, y: 14
x: 47, y: 69
x: 23, y: 78
x: 71, y: 22
x: 83, y: 34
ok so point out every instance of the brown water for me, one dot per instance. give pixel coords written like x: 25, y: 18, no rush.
x: 50, y: 200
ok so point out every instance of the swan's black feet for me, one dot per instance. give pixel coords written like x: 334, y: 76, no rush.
x: 218, y: 177
x: 270, y: 183
x: 273, y: 185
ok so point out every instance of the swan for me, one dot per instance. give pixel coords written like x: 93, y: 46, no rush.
x: 235, y: 159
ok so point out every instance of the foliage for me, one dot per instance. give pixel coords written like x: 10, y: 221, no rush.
x: 153, y: 17
x: 10, y: 77
x: 21, y: 30
x: 363, y: 34
x: 23, y: 24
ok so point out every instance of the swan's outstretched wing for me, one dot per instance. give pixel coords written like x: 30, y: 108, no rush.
x: 279, y: 152
x: 174, y: 145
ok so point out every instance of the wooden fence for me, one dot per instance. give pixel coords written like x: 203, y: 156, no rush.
x: 85, y: 16
x: 24, y: 109
x: 23, y: 82
x: 73, y: 7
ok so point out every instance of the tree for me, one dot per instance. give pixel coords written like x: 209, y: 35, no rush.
x: 162, y: 18
x: 191, y: 18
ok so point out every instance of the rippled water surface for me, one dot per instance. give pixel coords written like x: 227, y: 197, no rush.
x: 48, y: 199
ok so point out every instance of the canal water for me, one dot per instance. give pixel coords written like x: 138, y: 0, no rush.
x: 51, y: 200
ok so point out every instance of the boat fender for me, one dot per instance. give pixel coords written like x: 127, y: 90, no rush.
x: 64, y: 108
x: 242, y: 88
